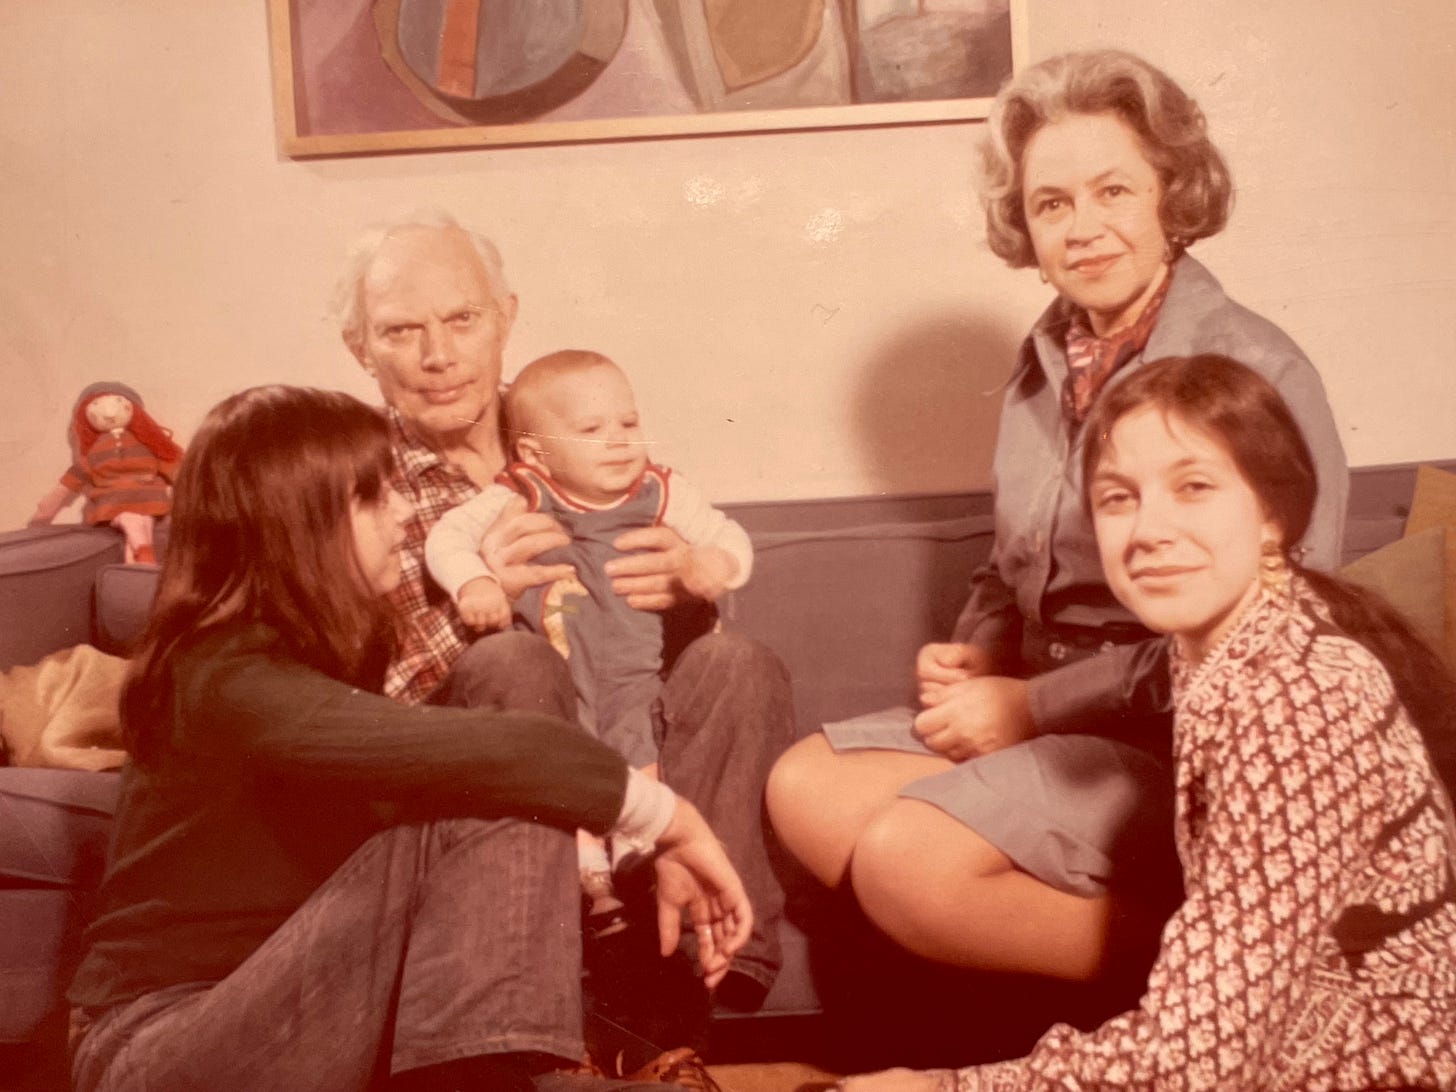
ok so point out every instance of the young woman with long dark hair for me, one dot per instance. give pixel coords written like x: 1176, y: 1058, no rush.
x: 311, y: 886
x: 1316, y: 944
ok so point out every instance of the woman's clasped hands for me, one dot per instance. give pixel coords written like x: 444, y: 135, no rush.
x: 966, y: 710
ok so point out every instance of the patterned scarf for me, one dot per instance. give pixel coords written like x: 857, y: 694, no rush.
x: 1091, y: 360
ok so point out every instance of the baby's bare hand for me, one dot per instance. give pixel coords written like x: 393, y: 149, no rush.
x: 483, y: 604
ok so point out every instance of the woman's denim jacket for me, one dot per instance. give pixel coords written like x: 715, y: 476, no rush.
x: 1044, y: 567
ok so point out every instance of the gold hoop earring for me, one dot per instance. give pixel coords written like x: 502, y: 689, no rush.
x: 1273, y: 567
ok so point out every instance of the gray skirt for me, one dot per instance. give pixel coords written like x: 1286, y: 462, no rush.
x: 1080, y: 813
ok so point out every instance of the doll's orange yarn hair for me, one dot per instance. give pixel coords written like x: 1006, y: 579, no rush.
x: 152, y: 436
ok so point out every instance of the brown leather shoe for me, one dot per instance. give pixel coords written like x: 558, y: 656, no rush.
x: 681, y: 1066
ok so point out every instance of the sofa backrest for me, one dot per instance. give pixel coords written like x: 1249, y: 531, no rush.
x: 845, y: 590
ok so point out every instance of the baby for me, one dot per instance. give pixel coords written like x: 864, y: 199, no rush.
x: 573, y: 424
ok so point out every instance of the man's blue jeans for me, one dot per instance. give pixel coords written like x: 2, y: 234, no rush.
x: 724, y: 715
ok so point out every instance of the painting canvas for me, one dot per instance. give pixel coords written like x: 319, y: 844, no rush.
x: 379, y: 75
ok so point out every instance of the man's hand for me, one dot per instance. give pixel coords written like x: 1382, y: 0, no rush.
x: 659, y: 576
x: 976, y: 716
x: 695, y: 876
x: 483, y: 604
x: 938, y: 666
x: 514, y: 541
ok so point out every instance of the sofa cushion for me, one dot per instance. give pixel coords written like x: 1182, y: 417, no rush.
x: 54, y: 826
x: 64, y: 712
x: 1434, y: 505
x: 1409, y: 574
x: 35, y: 955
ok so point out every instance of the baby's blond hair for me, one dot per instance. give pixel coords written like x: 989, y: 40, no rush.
x: 523, y: 396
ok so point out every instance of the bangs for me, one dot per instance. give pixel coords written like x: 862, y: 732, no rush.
x: 373, y: 464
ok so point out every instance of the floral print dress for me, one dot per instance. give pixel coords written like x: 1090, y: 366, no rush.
x: 1316, y: 948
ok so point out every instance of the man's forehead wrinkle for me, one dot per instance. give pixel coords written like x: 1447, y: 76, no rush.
x: 398, y: 294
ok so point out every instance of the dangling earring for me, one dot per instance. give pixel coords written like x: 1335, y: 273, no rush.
x: 1273, y: 568
x: 1040, y: 272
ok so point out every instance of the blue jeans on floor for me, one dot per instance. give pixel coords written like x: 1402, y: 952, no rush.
x: 431, y: 942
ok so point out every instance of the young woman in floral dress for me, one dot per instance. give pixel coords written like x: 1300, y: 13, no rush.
x: 1316, y: 946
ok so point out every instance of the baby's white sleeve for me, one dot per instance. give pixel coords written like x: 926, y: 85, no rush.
x: 452, y: 548
x: 647, y: 809
x: 700, y: 524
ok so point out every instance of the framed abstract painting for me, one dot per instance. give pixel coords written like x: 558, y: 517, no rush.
x: 360, y: 76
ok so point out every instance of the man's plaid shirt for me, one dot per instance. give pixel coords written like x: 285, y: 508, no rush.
x: 433, y: 634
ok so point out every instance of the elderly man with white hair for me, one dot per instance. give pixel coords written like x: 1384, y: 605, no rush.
x: 425, y: 309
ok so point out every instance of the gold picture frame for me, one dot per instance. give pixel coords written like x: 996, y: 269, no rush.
x: 367, y: 76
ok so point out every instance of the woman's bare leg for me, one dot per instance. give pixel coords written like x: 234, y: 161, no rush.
x: 939, y: 889
x: 820, y: 801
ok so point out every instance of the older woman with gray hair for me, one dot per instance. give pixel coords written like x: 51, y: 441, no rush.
x: 1019, y: 820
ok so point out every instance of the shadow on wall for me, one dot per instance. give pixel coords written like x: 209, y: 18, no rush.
x: 926, y: 412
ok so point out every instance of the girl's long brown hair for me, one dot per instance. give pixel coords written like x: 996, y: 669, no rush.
x: 1243, y: 412
x: 261, y: 532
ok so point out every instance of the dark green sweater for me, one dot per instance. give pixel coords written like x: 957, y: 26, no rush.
x: 272, y: 775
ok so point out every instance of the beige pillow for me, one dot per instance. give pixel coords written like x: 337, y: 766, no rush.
x: 1409, y: 574
x: 1434, y: 505
x: 63, y: 711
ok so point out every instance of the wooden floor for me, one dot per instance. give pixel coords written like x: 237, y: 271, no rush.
x: 772, y: 1077
x: 741, y: 1077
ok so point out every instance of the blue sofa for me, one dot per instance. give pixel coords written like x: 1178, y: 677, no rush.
x: 844, y: 590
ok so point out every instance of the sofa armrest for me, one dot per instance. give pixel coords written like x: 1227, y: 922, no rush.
x: 124, y: 596
x: 46, y: 579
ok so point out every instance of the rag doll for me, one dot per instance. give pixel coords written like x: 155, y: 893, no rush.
x: 124, y: 464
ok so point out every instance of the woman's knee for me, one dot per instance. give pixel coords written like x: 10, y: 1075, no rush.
x: 882, y: 868
x: 801, y: 775
x: 806, y: 804
x: 911, y: 850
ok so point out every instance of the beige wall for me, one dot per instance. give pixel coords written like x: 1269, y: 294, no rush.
x: 807, y: 314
